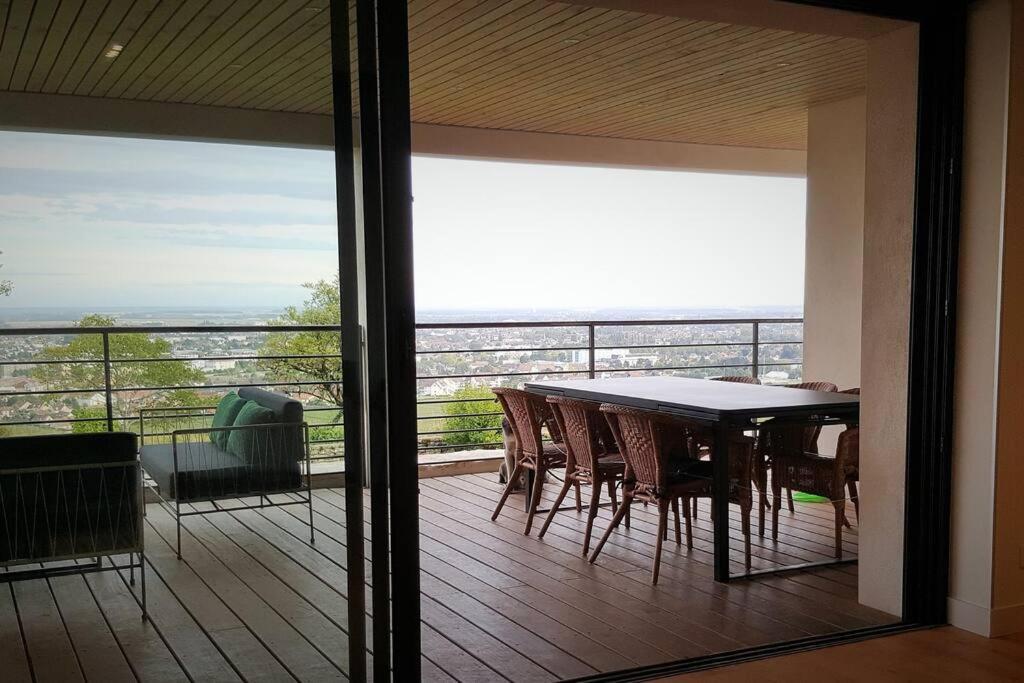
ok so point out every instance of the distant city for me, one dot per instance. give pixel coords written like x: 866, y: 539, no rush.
x: 178, y: 316
x: 56, y: 381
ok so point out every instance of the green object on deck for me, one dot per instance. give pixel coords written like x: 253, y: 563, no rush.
x: 801, y: 497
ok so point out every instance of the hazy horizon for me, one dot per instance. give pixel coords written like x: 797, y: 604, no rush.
x: 94, y: 223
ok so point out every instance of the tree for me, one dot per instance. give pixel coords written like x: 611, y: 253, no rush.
x: 309, y: 356
x: 131, y: 376
x: 468, y: 415
x: 6, y: 286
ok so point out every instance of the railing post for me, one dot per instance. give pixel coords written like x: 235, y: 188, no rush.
x: 592, y: 350
x: 756, y: 348
x: 108, y: 394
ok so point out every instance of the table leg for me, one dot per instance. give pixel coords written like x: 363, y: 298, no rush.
x: 720, y: 500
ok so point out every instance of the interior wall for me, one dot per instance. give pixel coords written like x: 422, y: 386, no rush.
x: 977, y: 343
x: 1008, y: 555
x: 891, y: 115
x: 834, y: 248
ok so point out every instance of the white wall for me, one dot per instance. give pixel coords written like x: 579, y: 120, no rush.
x: 834, y: 253
x: 888, y: 233
x: 978, y: 308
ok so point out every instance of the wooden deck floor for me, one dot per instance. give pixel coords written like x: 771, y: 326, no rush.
x: 253, y: 600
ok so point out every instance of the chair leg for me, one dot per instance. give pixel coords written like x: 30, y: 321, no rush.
x: 662, y: 531
x: 789, y: 500
x: 675, y: 511
x: 312, y: 531
x: 776, y: 504
x: 627, y: 510
x: 745, y: 518
x: 579, y: 500
x: 611, y: 494
x: 562, y: 493
x: 627, y: 499
x: 840, y: 517
x: 694, y: 507
x: 177, y: 521
x: 852, y: 486
x: 762, y: 506
x: 689, y: 525
x: 142, y: 578
x: 595, y: 501
x: 538, y: 486
x: 517, y: 472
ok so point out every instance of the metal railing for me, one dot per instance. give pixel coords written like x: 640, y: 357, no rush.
x: 457, y: 364
x: 99, y: 377
x: 588, y: 348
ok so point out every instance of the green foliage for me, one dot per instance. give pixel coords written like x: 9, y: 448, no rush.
x: 467, y: 415
x: 323, y: 307
x: 6, y: 286
x: 64, y: 376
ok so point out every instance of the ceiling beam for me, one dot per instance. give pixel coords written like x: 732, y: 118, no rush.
x: 552, y: 148
x: 130, y: 118
x: 134, y: 118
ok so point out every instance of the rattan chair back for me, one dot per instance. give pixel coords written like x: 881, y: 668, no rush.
x: 646, y: 441
x: 738, y: 379
x: 585, y: 432
x: 527, y: 413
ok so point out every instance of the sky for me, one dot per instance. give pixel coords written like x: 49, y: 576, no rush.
x: 104, y: 222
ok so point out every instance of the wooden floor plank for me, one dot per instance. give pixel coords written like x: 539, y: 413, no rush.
x: 248, y: 654
x: 150, y: 656
x: 12, y: 646
x: 50, y: 650
x: 300, y: 659
x: 323, y: 635
x: 99, y: 653
x: 468, y: 635
x: 252, y: 599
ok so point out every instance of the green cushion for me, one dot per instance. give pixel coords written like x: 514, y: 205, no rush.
x: 227, y: 411
x: 246, y: 442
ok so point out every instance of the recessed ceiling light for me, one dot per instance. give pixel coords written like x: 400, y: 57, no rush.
x: 782, y: 63
x: 113, y: 51
x: 571, y: 41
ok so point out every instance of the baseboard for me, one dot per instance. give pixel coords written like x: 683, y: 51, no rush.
x: 969, y: 616
x: 986, y: 621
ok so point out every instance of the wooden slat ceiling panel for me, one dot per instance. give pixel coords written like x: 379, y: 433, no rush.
x: 530, y: 65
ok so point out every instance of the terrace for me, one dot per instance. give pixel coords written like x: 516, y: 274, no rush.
x: 252, y: 595
x: 771, y: 89
x: 253, y: 599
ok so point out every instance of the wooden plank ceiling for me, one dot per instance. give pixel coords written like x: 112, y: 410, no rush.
x: 528, y: 65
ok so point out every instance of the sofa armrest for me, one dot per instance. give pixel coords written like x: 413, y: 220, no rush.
x: 159, y: 423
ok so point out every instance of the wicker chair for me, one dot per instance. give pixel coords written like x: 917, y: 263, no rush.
x: 660, y: 469
x: 592, y: 457
x: 796, y: 464
x: 764, y: 455
x: 739, y: 379
x: 527, y: 414
x: 819, y: 475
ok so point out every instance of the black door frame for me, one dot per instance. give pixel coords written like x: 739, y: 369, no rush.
x: 384, y: 88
